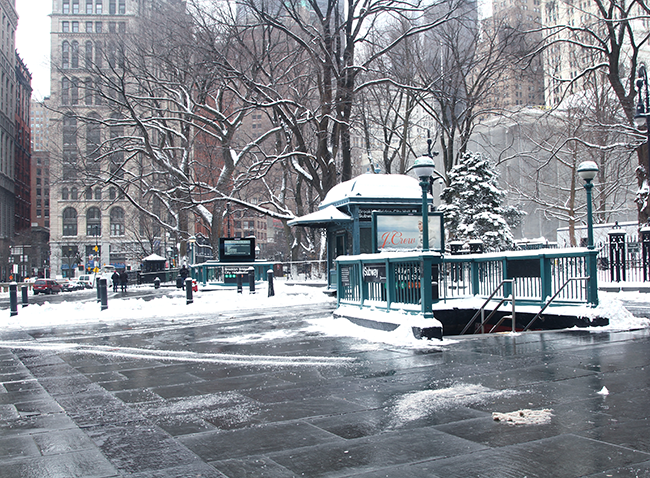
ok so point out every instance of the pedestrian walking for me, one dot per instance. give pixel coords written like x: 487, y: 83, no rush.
x: 116, y: 280
x: 124, y: 280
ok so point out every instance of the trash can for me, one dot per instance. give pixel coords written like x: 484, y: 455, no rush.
x: 179, y: 281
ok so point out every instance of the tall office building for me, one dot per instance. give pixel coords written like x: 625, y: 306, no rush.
x: 7, y: 134
x: 91, y: 223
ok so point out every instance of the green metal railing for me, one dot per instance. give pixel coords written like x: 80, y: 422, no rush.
x: 414, y: 281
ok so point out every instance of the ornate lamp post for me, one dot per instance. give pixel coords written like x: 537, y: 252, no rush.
x: 643, y: 109
x: 587, y: 170
x: 424, y: 168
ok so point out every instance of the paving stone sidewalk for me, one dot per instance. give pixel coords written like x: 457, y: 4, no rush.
x: 114, y: 405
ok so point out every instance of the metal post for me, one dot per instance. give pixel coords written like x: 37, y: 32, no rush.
x: 240, y: 281
x: 645, y: 240
x: 592, y: 291
x: 103, y: 293
x: 188, y: 291
x: 99, y: 298
x: 25, y: 292
x: 251, y: 279
x: 269, y: 279
x: 425, y: 214
x: 13, y: 298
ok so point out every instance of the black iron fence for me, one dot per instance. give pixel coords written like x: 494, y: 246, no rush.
x: 625, y: 257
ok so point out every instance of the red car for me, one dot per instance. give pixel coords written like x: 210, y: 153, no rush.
x: 47, y: 286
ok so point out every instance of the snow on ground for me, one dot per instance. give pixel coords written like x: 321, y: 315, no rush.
x: 172, y: 308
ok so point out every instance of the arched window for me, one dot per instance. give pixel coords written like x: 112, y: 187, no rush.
x: 74, y: 55
x: 89, y: 194
x: 111, y: 194
x: 65, y: 55
x: 69, y: 166
x: 98, y: 193
x: 88, y: 54
x: 99, y: 55
x: 74, y: 91
x: 112, y: 53
x: 117, y: 221
x: 65, y: 91
x: 69, y: 221
x: 93, y: 222
x: 93, y: 143
x: 117, y: 138
x: 88, y: 91
x: 64, y: 193
x: 74, y: 193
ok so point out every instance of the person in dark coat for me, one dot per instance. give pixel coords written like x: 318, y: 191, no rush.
x: 184, y: 272
x: 124, y: 280
x: 116, y: 280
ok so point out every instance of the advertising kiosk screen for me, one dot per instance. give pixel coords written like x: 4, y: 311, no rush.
x: 237, y: 250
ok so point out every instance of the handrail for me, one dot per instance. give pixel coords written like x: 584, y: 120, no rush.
x: 481, y: 311
x: 548, y: 302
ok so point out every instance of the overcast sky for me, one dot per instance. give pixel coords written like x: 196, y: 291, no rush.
x: 33, y: 42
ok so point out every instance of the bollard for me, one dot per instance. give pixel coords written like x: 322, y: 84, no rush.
x: 99, y: 297
x: 269, y: 279
x: 156, y: 283
x: 251, y: 279
x: 24, y: 291
x: 240, y: 280
x: 188, y: 291
x: 101, y: 284
x: 13, y: 298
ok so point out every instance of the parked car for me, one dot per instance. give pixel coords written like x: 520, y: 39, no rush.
x: 71, y: 285
x: 46, y: 286
x: 88, y: 280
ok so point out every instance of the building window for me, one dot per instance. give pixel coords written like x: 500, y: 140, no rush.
x: 98, y: 193
x: 74, y: 91
x: 75, y: 6
x: 98, y: 7
x: 89, y: 27
x: 88, y: 54
x: 111, y: 7
x: 117, y: 221
x: 111, y: 193
x: 75, y: 27
x: 74, y: 55
x: 65, y: 27
x: 65, y: 55
x: 89, y: 7
x: 65, y: 91
x: 121, y: 27
x: 111, y: 27
x: 69, y: 222
x: 74, y: 193
x: 99, y: 55
x: 66, y: 7
x: 89, y: 194
x: 93, y: 222
x: 88, y: 92
x: 98, y: 27
x: 122, y: 7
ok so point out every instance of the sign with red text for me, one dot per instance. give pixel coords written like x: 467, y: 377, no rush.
x: 398, y: 232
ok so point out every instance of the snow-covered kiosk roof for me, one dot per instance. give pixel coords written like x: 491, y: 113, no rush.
x: 153, y: 257
x: 374, y: 188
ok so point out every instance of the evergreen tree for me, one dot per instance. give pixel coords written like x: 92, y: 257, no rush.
x: 474, y: 205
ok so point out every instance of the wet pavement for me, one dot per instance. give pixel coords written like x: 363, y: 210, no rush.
x: 264, y: 394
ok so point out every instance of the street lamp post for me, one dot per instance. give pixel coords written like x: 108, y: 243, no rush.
x: 643, y: 109
x: 424, y: 167
x: 587, y: 170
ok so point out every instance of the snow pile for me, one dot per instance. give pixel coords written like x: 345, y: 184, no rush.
x: 416, y: 405
x: 173, y: 307
x: 619, y: 317
x: 524, y: 417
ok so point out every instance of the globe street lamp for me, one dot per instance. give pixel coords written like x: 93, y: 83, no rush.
x: 587, y: 170
x: 643, y: 109
x: 424, y: 168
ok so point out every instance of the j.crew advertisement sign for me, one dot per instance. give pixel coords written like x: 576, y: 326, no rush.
x: 394, y: 232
